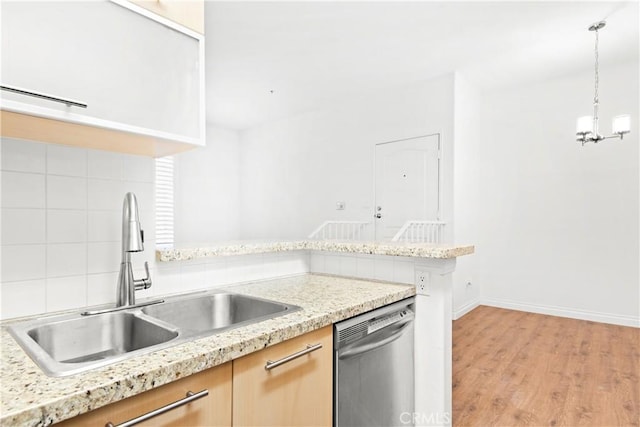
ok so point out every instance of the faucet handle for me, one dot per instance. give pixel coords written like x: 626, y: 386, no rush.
x: 143, y: 283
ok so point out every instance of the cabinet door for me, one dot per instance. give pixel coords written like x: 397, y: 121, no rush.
x: 296, y: 393
x: 134, y: 73
x: 212, y: 410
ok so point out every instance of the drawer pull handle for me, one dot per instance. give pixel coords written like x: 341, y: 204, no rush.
x: 270, y: 364
x: 191, y: 396
x: 68, y: 102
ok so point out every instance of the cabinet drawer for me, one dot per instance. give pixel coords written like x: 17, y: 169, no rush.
x: 297, y: 392
x: 211, y: 410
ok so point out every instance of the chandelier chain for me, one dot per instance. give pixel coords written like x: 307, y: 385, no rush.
x: 595, y: 97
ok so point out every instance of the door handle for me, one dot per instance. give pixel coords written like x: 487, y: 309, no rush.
x: 191, y: 396
x: 20, y: 91
x: 378, y: 215
x: 271, y: 364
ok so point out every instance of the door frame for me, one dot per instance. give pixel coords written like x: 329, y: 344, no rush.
x: 440, y: 175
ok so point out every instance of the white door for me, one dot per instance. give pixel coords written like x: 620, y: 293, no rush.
x: 407, y: 183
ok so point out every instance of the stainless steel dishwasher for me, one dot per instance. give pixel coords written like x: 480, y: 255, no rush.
x: 374, y: 368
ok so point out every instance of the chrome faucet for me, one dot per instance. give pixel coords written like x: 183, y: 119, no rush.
x: 132, y: 241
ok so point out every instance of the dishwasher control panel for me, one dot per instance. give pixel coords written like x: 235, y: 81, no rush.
x: 358, y: 327
x: 381, y: 322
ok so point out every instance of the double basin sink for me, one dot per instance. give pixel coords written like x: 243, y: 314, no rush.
x: 70, y: 344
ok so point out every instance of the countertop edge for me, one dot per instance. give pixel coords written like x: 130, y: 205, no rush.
x: 414, y: 250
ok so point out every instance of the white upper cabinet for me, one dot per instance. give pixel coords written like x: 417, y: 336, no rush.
x: 138, y: 73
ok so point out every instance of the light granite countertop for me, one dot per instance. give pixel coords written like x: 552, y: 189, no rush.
x: 416, y: 250
x: 30, y: 398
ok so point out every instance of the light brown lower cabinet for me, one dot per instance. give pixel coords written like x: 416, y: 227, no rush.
x: 250, y: 391
x: 211, y: 410
x: 298, y: 392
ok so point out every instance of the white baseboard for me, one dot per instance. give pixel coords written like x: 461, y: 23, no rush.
x: 593, y: 316
x: 465, y: 309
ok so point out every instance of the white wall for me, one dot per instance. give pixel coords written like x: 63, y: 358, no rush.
x: 557, y: 223
x: 295, y: 170
x: 467, y: 125
x: 207, y: 189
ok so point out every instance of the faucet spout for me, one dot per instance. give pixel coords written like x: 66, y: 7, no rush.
x: 132, y: 237
x: 132, y: 241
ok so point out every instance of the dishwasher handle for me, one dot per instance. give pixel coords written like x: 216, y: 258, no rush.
x: 390, y: 334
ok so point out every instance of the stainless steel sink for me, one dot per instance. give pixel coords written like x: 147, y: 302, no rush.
x: 214, y: 312
x: 70, y: 344
x: 88, y: 339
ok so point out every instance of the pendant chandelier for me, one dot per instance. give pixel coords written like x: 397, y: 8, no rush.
x: 587, y: 126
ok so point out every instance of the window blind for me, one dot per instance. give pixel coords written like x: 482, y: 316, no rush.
x: 164, y: 201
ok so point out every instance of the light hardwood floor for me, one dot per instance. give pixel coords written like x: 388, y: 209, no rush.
x: 512, y: 368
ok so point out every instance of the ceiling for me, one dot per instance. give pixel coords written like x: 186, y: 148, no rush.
x: 269, y: 60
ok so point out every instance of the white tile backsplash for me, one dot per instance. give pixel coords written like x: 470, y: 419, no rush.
x: 241, y: 270
x: 138, y: 169
x: 196, y: 276
x: 66, y: 161
x: 23, y: 262
x: 23, y: 190
x: 383, y: 268
x: 103, y: 257
x: 365, y: 265
x: 64, y: 293
x: 349, y: 265
x: 272, y: 265
x: 403, y: 272
x: 295, y: 262
x: 101, y: 288
x: 23, y: 298
x: 337, y: 263
x: 105, y: 194
x: 332, y: 264
x: 66, y: 226
x: 105, y: 165
x: 216, y: 273
x: 393, y: 269
x: 167, y: 280
x: 316, y: 262
x: 23, y: 156
x: 104, y: 226
x: 23, y: 226
x: 66, y: 259
x: 66, y: 192
x: 61, y: 224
